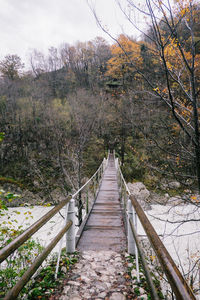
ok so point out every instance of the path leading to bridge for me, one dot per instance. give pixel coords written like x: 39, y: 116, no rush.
x: 104, y: 229
x: 101, y: 275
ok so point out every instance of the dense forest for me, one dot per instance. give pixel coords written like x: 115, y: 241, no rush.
x: 58, y: 119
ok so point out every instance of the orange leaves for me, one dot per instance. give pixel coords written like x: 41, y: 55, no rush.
x: 178, y: 159
x: 176, y: 129
x: 182, y: 7
x: 126, y: 56
x: 194, y: 199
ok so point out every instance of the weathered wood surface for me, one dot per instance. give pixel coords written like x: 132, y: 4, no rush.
x: 104, y: 229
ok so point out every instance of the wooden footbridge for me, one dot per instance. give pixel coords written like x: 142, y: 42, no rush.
x: 107, y: 220
x: 104, y: 228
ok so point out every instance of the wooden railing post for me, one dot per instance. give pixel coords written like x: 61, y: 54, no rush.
x: 70, y: 236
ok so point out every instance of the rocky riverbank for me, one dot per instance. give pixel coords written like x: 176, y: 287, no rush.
x: 170, y: 194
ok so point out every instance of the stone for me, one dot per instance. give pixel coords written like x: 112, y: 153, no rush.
x: 79, y: 266
x: 85, y: 279
x: 64, y: 269
x: 63, y: 297
x: 108, y: 285
x: 117, y: 296
x: 100, y: 287
x: 187, y: 191
x: 92, y: 291
x: 118, y: 259
x: 74, y: 283
x: 130, y: 265
x: 104, y: 278
x: 102, y: 295
x: 174, y: 185
x: 164, y: 186
x: 66, y: 289
x: 75, y: 297
x: 133, y: 273
x: 144, y: 297
x: 139, y: 190
x: 86, y: 296
x: 142, y: 291
x: 87, y: 257
x: 118, y: 255
x: 36, y: 183
x: 175, y: 200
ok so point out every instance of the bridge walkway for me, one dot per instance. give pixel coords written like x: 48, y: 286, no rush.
x: 104, y: 229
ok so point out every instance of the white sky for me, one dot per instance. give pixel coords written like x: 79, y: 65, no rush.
x: 40, y: 24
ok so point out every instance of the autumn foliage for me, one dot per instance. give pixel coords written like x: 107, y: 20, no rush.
x: 126, y: 58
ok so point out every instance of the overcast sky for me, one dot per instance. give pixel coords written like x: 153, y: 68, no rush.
x: 39, y: 24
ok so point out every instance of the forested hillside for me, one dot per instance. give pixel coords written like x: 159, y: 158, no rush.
x: 140, y: 97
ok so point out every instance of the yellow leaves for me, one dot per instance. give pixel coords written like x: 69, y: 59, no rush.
x: 157, y: 90
x: 194, y: 199
x: 4, y: 230
x: 183, y: 11
x: 126, y: 56
x: 47, y: 205
x: 182, y: 7
x: 152, y: 257
x: 173, y: 56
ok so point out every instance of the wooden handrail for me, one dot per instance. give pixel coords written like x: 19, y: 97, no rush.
x: 176, y: 280
x: 14, y: 292
x: 18, y: 241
